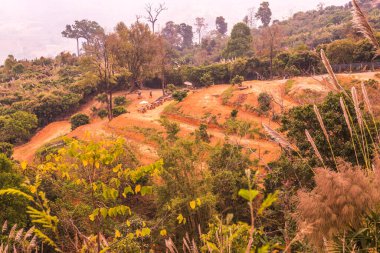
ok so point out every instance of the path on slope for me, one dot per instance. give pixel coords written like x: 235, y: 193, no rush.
x: 196, y: 105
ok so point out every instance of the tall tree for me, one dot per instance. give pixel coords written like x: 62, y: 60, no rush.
x: 153, y: 13
x: 221, y: 25
x: 101, y: 59
x: 171, y: 34
x: 200, y: 25
x: 250, y: 19
x: 186, y: 31
x: 240, y: 42
x: 264, y: 13
x: 137, y: 49
x: 272, y: 34
x: 10, y: 62
x: 84, y: 29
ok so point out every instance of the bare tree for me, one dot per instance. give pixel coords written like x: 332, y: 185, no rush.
x: 200, y: 25
x: 138, y: 17
x: 250, y: 19
x: 153, y: 13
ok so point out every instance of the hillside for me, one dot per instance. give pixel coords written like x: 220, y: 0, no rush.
x: 324, y: 24
x: 267, y: 140
x: 212, y: 106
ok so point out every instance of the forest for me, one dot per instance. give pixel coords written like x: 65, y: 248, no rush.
x: 193, y: 139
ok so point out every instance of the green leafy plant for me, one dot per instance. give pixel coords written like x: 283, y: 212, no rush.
x: 119, y: 110
x: 120, y: 100
x: 238, y: 80
x: 102, y: 113
x: 179, y: 95
x: 78, y: 120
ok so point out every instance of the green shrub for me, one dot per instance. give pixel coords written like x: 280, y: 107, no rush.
x: 18, y: 69
x: 226, y: 95
x: 179, y: 95
x: 120, y: 100
x: 118, y: 110
x: 201, y: 133
x: 6, y: 148
x: 371, y: 83
x: 265, y: 101
x: 49, y: 105
x: 171, y: 87
x: 102, y: 113
x: 102, y: 98
x: 289, y: 85
x: 78, y: 120
x: 207, y: 79
x: 292, y: 71
x: 13, y: 209
x: 237, y: 80
x: 234, y: 113
x: 17, y: 127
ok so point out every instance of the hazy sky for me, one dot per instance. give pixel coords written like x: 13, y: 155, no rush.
x: 32, y: 28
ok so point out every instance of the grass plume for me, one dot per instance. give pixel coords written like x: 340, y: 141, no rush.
x: 312, y: 143
x: 278, y: 138
x: 320, y: 120
x: 335, y: 86
x: 361, y: 23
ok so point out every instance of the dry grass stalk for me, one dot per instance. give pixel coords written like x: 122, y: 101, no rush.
x: 29, y: 233
x: 357, y: 107
x: 366, y: 100
x: 171, y: 246
x: 337, y: 202
x: 345, y: 113
x: 33, y: 243
x: 278, y: 138
x: 5, y: 226
x: 311, y: 140
x: 19, y: 235
x: 320, y: 120
x: 361, y: 23
x: 12, y: 232
x: 335, y: 85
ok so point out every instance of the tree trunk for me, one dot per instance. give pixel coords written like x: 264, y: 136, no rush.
x: 110, y: 116
x: 271, y: 61
x: 78, y: 47
x: 163, y: 85
x: 98, y: 242
x: 153, y: 27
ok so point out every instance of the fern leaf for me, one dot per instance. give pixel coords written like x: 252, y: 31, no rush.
x: 19, y: 234
x: 15, y: 192
x: 12, y: 232
x: 46, y: 239
x: 5, y: 226
x: 29, y: 233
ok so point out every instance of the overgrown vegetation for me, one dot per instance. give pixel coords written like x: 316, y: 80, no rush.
x: 198, y: 195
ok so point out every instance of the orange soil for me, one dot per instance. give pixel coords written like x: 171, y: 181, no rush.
x: 53, y: 130
x: 194, y: 106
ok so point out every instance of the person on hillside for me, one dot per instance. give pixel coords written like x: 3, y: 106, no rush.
x: 150, y: 94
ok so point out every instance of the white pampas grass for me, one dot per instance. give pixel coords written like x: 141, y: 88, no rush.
x: 278, y: 138
x: 357, y: 107
x: 319, y: 118
x: 312, y: 143
x: 361, y: 23
x: 366, y: 100
x: 345, y: 113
